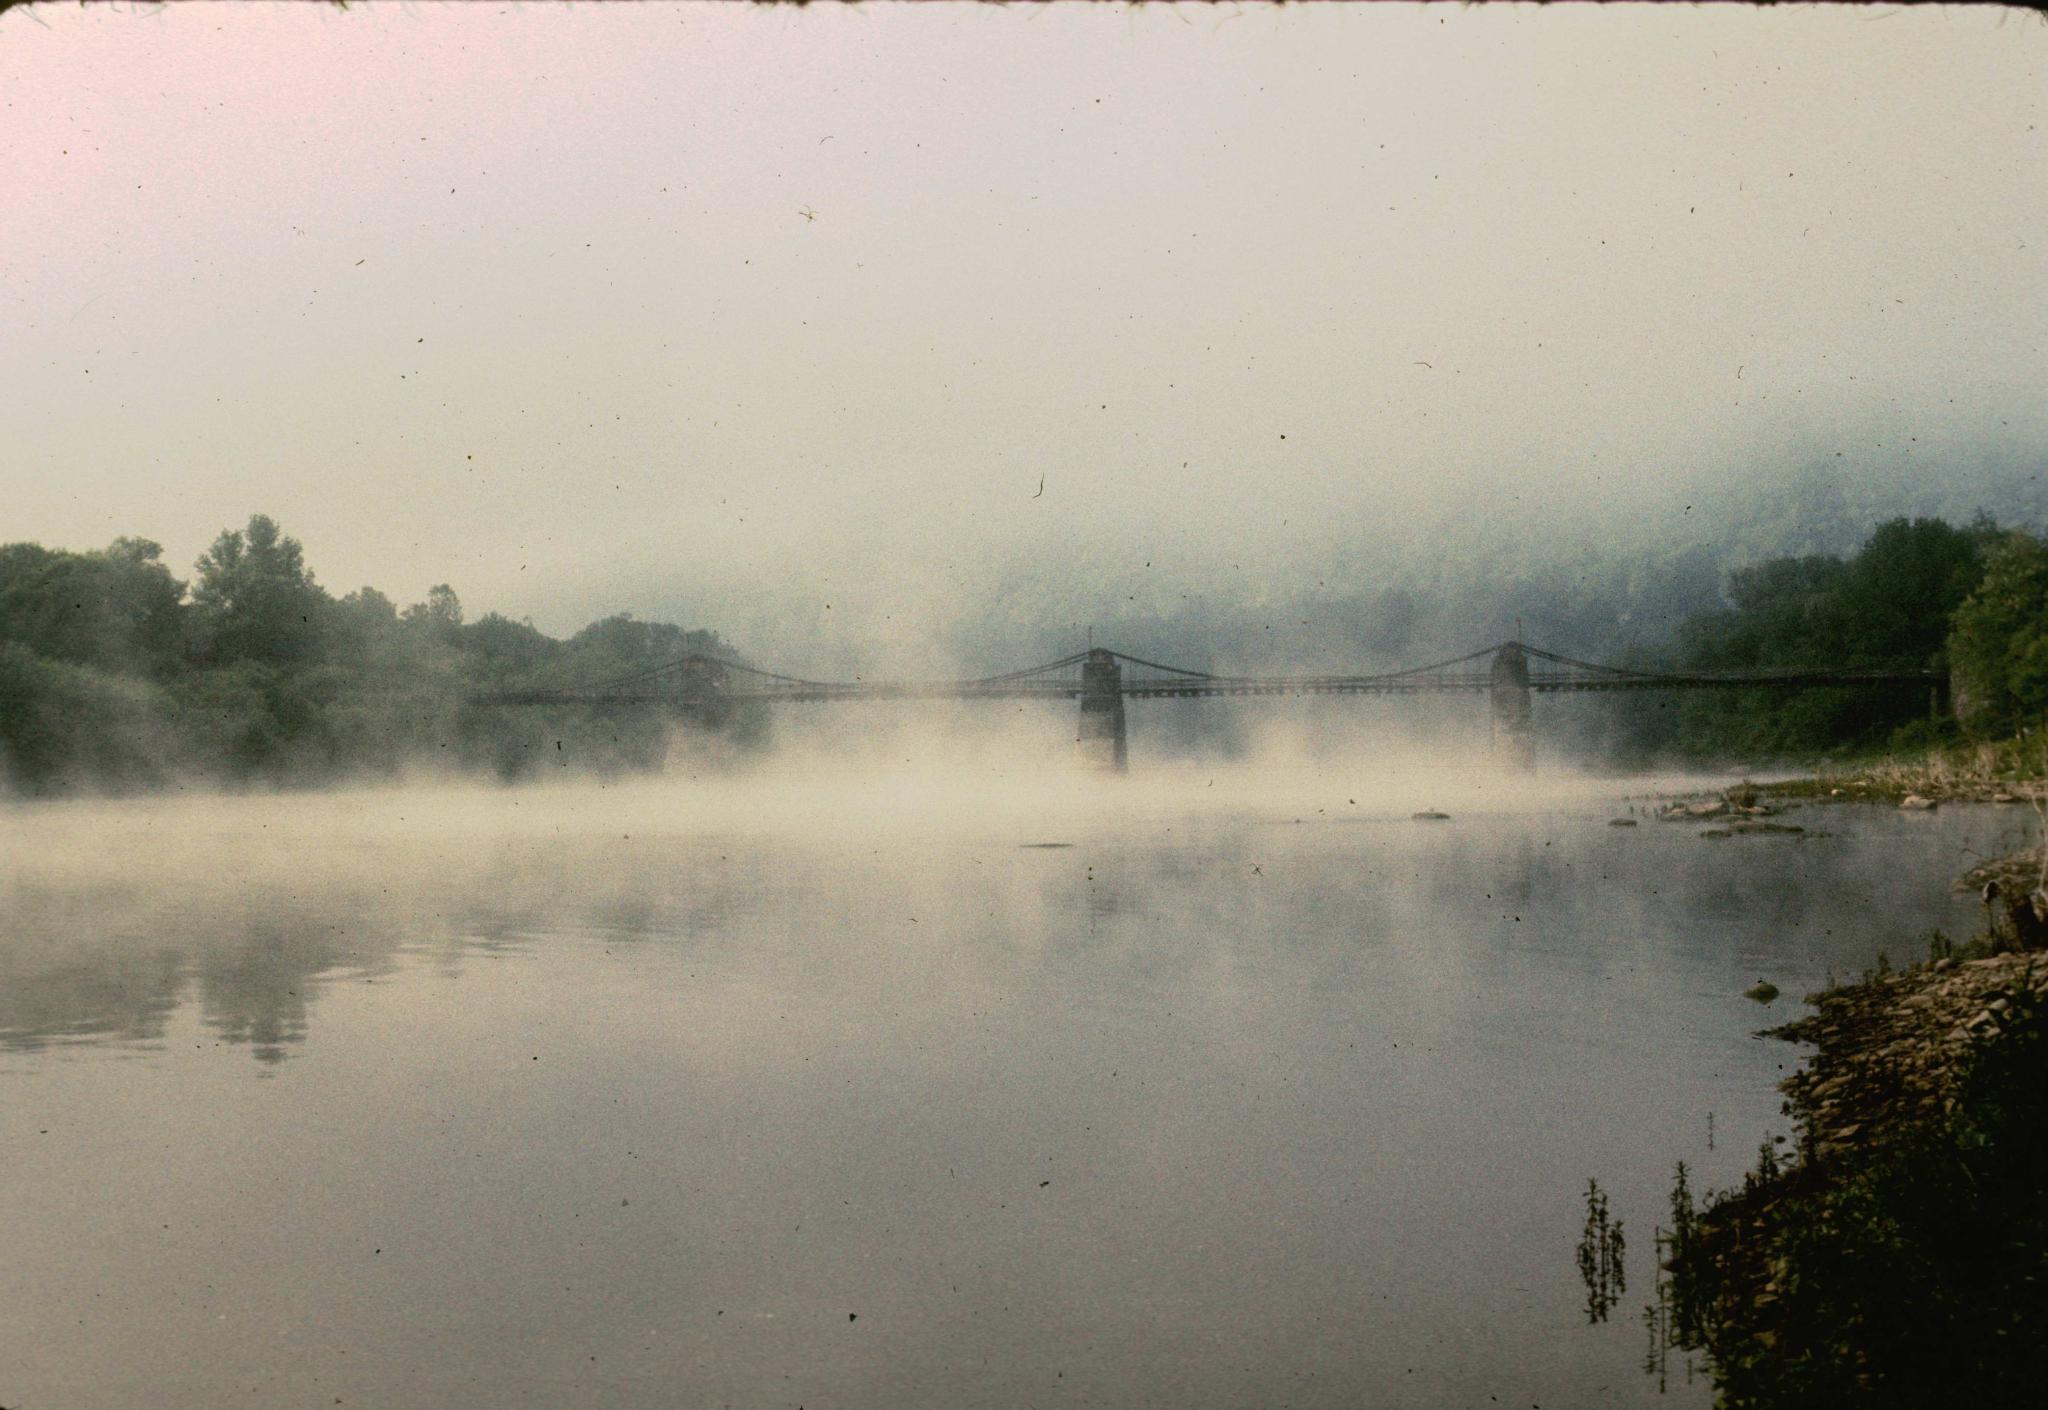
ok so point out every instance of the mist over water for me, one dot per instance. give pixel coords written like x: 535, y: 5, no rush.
x: 885, y: 1084
x: 887, y: 1054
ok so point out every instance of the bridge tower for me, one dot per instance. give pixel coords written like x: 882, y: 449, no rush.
x: 1514, y: 737
x: 1102, y: 711
x: 700, y: 692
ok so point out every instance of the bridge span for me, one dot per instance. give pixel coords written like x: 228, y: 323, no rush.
x: 1101, y: 679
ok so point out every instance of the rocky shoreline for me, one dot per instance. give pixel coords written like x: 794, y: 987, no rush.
x: 1908, y: 786
x: 1895, y: 1250
x: 1893, y: 1049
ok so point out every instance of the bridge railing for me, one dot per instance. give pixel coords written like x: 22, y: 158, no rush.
x: 700, y: 677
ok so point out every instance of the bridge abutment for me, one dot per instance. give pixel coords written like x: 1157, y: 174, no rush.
x: 1102, y: 737
x: 1514, y: 735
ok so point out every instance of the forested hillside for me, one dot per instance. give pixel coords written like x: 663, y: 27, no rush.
x: 116, y: 674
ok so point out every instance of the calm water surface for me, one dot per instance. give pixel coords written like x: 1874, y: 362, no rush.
x: 670, y: 1095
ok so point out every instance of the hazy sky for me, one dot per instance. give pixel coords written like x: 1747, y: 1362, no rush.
x: 729, y: 313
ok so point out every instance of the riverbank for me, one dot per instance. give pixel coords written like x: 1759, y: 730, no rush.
x: 1895, y: 1251
x: 2004, y: 771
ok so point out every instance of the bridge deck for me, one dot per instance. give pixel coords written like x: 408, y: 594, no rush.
x: 1193, y: 687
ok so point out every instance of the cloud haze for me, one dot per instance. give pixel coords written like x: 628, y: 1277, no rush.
x: 776, y: 319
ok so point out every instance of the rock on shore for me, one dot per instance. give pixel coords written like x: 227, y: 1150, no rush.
x: 1889, y: 1050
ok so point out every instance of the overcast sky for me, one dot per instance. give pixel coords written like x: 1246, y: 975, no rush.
x: 730, y: 313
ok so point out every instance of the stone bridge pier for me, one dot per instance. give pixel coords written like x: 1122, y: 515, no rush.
x: 1514, y: 737
x: 1102, y: 736
x: 700, y: 693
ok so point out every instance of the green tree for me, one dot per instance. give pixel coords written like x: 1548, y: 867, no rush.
x: 145, y: 604
x: 110, y: 676
x: 441, y: 612
x: 1898, y: 595
x: 256, y: 600
x: 64, y: 726
x: 115, y: 609
x: 1998, y: 649
x: 1887, y: 607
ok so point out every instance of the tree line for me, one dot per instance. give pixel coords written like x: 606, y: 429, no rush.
x: 1920, y: 594
x: 114, y: 674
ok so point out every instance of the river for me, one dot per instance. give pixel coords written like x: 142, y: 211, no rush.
x: 1203, y: 1088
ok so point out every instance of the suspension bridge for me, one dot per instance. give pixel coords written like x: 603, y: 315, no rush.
x: 1101, y: 679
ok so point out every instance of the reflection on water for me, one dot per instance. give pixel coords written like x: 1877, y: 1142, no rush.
x: 1674, y: 1317
x: 1603, y: 1256
x: 623, y: 1099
